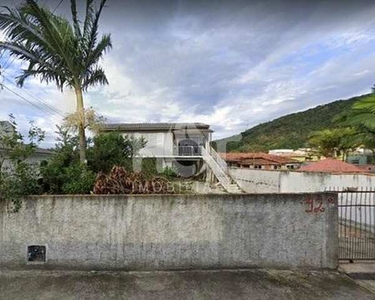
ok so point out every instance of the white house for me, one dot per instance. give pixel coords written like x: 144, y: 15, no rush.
x: 177, y: 145
x: 186, y: 147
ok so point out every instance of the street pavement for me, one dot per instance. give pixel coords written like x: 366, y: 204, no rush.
x: 224, y: 284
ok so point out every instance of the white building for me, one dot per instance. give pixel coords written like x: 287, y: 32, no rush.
x: 186, y: 147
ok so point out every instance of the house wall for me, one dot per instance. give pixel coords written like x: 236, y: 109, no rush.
x: 170, y: 232
x: 35, y: 159
x: 261, y: 181
x: 158, y: 143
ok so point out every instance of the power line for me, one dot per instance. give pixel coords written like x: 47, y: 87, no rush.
x: 41, y: 102
x: 58, y: 5
x: 28, y: 101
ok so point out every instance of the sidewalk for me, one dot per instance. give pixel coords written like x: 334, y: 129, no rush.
x: 229, y: 284
x: 362, y: 272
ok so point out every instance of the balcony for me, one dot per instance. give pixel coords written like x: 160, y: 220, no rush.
x: 190, y: 151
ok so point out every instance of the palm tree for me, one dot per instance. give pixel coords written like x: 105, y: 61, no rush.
x: 57, y: 50
x: 363, y: 112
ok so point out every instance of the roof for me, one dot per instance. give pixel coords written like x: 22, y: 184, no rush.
x: 250, y: 156
x: 37, y: 150
x: 153, y: 126
x: 367, y: 168
x: 44, y: 151
x: 330, y: 165
x: 259, y: 161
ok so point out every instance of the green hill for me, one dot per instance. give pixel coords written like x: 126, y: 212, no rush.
x: 288, y: 132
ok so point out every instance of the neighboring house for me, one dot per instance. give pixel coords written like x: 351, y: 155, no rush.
x: 36, y: 158
x: 330, y: 165
x: 358, y: 159
x: 301, y: 154
x: 260, y: 160
x: 185, y: 147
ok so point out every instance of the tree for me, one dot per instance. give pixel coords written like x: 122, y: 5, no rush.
x: 333, y: 142
x: 325, y: 142
x: 363, y: 113
x: 57, y: 50
x: 112, y: 149
x: 19, y: 177
x: 13, y: 145
x: 93, y: 121
x: 63, y: 173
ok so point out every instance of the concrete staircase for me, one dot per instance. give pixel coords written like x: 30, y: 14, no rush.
x: 219, y: 168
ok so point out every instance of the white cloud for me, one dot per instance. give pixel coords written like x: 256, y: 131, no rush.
x: 226, y: 65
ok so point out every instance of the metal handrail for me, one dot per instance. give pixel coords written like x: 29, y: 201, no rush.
x: 223, y: 175
x: 219, y: 159
x: 189, y: 151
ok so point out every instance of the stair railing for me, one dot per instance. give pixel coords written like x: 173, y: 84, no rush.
x: 223, y: 165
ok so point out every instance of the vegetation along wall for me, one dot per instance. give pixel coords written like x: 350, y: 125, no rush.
x: 165, y: 232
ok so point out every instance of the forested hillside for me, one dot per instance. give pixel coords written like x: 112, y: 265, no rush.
x: 288, y: 132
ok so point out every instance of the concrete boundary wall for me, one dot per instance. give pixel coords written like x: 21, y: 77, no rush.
x: 172, y: 232
x: 256, y: 181
x: 263, y: 181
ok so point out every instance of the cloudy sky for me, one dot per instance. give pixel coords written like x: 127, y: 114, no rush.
x: 231, y: 64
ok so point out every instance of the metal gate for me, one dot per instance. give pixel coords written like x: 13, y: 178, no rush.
x: 356, y: 225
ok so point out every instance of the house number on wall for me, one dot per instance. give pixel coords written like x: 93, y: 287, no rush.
x: 315, y: 205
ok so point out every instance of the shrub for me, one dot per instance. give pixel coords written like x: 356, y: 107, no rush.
x: 19, y: 178
x: 18, y: 182
x: 169, y: 172
x: 119, y: 181
x: 111, y: 149
x: 78, y: 180
x: 66, y: 156
x: 148, y: 166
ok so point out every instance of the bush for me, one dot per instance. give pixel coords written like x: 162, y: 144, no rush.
x: 119, y: 181
x: 112, y: 149
x: 169, y: 173
x: 64, y: 174
x: 78, y: 180
x: 19, y: 178
x: 66, y: 156
x: 148, y: 166
x: 19, y: 182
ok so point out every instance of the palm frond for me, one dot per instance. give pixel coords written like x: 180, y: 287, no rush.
x: 367, y: 103
x: 101, y: 48
x: 94, y: 77
x: 77, y: 28
x: 54, y: 48
x: 89, y: 17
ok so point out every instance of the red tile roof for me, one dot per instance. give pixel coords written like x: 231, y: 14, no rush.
x: 330, y: 165
x: 240, y: 157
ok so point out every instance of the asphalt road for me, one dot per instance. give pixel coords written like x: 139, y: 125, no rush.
x: 239, y: 284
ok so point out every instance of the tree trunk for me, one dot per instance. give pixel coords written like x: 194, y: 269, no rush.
x: 81, y: 126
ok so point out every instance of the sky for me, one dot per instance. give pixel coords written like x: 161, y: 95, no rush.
x: 230, y: 64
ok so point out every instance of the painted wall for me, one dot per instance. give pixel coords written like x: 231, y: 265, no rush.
x: 35, y: 159
x: 158, y: 143
x: 260, y: 181
x: 173, y: 231
x: 256, y: 181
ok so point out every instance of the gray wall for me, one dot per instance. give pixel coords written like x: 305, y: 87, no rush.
x: 172, y: 232
x: 262, y: 181
x: 256, y: 181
